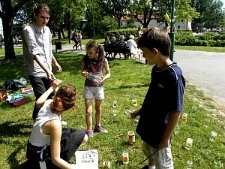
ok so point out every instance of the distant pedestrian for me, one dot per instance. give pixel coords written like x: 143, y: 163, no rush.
x: 79, y: 38
x: 74, y: 38
x: 16, y: 40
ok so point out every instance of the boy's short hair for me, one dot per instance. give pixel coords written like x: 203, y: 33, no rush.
x: 156, y: 38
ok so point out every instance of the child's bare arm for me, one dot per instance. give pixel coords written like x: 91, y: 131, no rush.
x: 84, y: 72
x: 107, y: 71
x: 173, y: 119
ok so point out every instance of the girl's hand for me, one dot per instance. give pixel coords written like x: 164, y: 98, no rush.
x: 100, y: 81
x: 84, y: 73
x: 56, y: 83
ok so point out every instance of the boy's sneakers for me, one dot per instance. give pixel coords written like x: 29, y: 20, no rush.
x: 90, y: 133
x: 99, y: 128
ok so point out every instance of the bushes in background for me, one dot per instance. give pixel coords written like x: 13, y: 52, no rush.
x: 186, y: 38
x: 182, y: 37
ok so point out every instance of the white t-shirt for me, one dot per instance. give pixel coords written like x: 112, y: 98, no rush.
x: 37, y: 138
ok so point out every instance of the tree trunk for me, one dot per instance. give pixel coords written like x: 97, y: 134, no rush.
x: 7, y: 22
x: 59, y: 34
x: 69, y: 27
x: 64, y: 37
x: 7, y: 13
x: 119, y: 23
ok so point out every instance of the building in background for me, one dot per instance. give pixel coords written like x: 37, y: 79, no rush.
x: 155, y: 22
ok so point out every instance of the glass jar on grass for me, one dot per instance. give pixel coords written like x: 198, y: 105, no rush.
x: 134, y: 102
x: 125, y: 157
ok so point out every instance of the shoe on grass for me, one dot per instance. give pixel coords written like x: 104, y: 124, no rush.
x: 99, y: 128
x: 90, y: 133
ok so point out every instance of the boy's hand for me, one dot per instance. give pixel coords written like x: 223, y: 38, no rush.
x: 134, y: 114
x: 58, y: 68
x: 164, y: 143
x: 51, y: 76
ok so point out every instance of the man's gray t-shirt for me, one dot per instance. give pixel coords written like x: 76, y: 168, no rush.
x: 36, y: 42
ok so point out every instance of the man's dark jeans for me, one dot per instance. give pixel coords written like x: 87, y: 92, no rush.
x: 40, y: 85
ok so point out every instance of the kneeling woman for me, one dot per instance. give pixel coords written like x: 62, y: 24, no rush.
x: 48, y: 141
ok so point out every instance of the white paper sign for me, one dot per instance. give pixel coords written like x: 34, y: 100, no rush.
x: 87, y: 159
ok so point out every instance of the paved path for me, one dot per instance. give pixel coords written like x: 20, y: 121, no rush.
x: 205, y: 70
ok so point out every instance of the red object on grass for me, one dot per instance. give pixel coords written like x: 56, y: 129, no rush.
x: 19, y: 102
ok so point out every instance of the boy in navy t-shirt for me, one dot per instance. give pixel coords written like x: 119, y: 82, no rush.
x: 163, y: 102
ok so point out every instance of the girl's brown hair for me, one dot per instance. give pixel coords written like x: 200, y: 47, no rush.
x: 99, y: 49
x: 64, y: 99
x: 40, y: 7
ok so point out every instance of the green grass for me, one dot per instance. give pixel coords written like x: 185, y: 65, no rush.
x: 129, y: 79
x: 201, y: 48
x: 84, y: 40
x: 17, y: 51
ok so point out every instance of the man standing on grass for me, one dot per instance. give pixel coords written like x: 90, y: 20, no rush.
x: 37, y: 52
x: 163, y: 102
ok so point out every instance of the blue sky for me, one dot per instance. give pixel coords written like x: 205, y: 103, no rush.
x: 223, y: 3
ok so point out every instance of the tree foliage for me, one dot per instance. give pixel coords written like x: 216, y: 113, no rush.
x: 8, y: 11
x: 211, y: 13
x: 114, y: 8
x: 68, y: 14
x: 185, y: 11
x: 143, y: 10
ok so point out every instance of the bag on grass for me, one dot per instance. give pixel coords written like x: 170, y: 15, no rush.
x: 19, y: 101
x: 15, y: 84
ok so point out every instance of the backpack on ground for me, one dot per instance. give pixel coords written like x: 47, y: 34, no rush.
x: 15, y: 84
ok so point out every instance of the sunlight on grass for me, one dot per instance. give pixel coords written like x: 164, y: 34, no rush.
x: 201, y: 48
x: 129, y: 79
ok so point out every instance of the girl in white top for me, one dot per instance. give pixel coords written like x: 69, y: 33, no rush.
x: 47, y: 133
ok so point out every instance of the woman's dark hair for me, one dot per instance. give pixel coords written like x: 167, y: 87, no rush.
x: 99, y: 49
x: 41, y: 7
x: 64, y: 99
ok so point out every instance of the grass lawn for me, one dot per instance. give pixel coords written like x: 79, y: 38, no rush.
x: 129, y: 79
x: 201, y: 48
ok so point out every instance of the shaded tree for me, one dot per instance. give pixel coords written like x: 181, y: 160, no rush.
x: 8, y: 11
x: 115, y: 8
x: 143, y: 10
x: 211, y: 13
